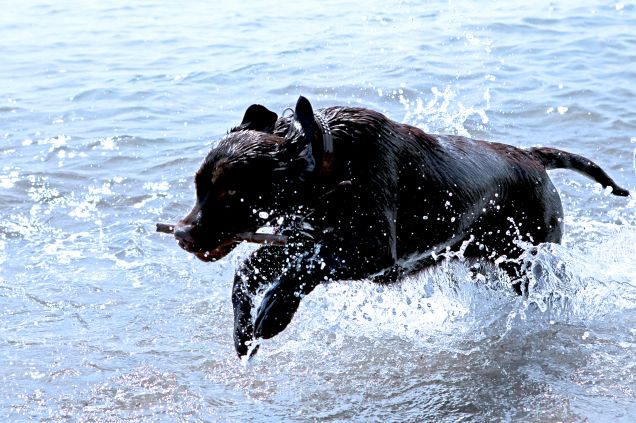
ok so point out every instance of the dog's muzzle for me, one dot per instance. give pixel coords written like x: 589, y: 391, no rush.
x: 184, y: 234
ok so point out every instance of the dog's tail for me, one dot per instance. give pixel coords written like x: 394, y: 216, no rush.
x: 559, y: 159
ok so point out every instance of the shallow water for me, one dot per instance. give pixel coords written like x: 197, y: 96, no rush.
x: 106, y: 111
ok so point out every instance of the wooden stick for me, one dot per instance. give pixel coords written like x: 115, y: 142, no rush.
x: 258, y: 238
x: 165, y: 228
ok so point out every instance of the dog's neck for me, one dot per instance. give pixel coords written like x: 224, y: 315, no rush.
x: 326, y: 162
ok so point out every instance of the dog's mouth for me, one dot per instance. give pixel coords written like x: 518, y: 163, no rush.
x: 208, y: 253
x: 223, y: 248
x: 217, y: 253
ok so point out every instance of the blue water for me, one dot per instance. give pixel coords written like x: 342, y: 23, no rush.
x: 108, y: 108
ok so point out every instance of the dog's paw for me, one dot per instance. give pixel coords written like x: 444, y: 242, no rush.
x: 244, y: 345
x: 275, y: 312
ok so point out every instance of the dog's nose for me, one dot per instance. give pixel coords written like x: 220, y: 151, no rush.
x: 183, y: 233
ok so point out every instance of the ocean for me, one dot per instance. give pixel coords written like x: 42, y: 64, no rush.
x: 108, y: 108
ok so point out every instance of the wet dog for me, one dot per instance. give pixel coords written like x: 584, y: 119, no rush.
x: 358, y: 195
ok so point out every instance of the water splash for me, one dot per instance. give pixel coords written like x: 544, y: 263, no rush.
x: 575, y: 286
x: 450, y: 307
x: 443, y: 113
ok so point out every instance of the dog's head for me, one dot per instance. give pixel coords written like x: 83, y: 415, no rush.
x: 258, y: 173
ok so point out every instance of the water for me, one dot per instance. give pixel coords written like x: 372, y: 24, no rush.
x: 106, y: 111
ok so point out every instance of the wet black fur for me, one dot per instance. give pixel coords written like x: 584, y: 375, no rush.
x: 396, y: 200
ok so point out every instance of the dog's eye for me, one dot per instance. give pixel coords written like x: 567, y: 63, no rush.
x: 231, y: 192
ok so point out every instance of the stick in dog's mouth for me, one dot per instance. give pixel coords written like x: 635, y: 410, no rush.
x: 165, y: 228
x: 258, y: 238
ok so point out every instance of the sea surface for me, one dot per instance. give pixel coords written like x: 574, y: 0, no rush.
x: 108, y: 108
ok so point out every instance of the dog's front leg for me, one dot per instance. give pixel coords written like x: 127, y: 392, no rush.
x: 299, y: 279
x: 263, y: 266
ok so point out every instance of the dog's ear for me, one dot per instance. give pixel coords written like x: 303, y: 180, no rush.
x: 304, y: 115
x: 259, y: 118
x: 297, y: 150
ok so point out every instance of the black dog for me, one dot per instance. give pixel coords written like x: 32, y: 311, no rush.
x: 361, y: 196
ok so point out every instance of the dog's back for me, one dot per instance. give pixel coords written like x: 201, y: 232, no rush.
x: 435, y: 192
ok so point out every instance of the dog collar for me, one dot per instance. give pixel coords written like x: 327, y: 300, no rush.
x: 326, y: 165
